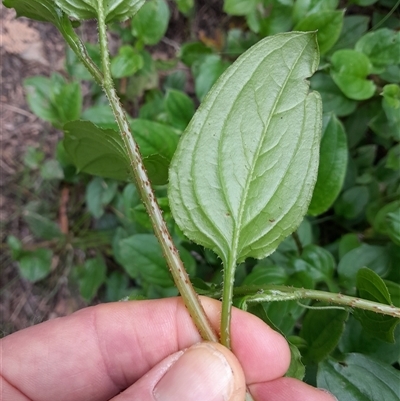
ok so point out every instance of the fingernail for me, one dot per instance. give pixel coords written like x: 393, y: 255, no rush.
x: 202, y: 373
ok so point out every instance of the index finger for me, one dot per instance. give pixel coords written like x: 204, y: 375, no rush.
x: 99, y: 351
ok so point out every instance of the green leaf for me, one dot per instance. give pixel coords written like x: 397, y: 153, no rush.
x: 356, y: 339
x: 321, y: 262
x: 151, y: 22
x: 380, y: 222
x: 51, y: 170
x: 296, y: 368
x: 117, y: 10
x: 185, y: 6
x: 117, y: 286
x: 126, y: 63
x: 179, y: 108
x: 228, y: 190
x: 354, y: 26
x: 357, y: 377
x: 275, y: 18
x: 333, y: 99
x: 40, y: 225
x: 302, y: 8
x: 391, y: 106
x: 374, y: 257
x: 99, y: 193
x: 96, y: 151
x: 33, y: 157
x: 54, y: 100
x: 206, y: 72
x: 349, y: 71
x: 142, y: 258
x: 193, y: 51
x: 35, y: 266
x: 264, y: 275
x: 332, y: 166
x: 371, y: 286
x: 90, y: 276
x: 237, y: 41
x: 393, y: 158
x: 329, y: 25
x: 15, y: 246
x: 322, y: 330
x: 347, y: 243
x: 239, y: 7
x: 352, y: 202
x: 382, y: 48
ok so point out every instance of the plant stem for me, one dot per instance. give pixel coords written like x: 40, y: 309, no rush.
x: 281, y: 293
x: 227, y: 294
x: 76, y: 44
x: 138, y: 173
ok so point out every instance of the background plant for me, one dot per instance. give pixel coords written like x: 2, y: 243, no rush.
x: 353, y: 219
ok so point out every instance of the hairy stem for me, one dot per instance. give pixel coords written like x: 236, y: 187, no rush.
x: 272, y: 293
x: 139, y: 176
x: 227, y: 294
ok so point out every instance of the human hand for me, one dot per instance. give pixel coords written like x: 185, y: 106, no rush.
x: 147, y: 351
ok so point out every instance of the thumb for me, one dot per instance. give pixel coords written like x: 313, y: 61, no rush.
x: 204, y: 372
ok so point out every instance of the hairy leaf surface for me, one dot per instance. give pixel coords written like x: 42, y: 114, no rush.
x: 243, y: 174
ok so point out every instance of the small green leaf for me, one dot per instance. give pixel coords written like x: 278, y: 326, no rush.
x: 35, y: 266
x: 40, y: 225
x: 354, y: 26
x: 302, y: 8
x: 377, y: 258
x: 99, y: 193
x: 191, y: 52
x: 329, y: 25
x: 347, y: 243
x: 226, y: 180
x: 371, y: 286
x: 239, y: 7
x: 357, y: 377
x: 264, y: 275
x: 185, y: 6
x: 296, y: 367
x: 117, y: 10
x: 333, y: 99
x: 352, y: 202
x: 322, y: 263
x: 322, y: 330
x: 15, y: 246
x: 117, y: 286
x: 391, y: 106
x: 54, y: 100
x: 51, y: 170
x: 206, y: 72
x: 179, y: 108
x: 126, y: 63
x: 33, y: 157
x: 380, y: 221
x: 90, y: 276
x: 332, y: 166
x: 349, y: 71
x: 142, y: 258
x: 382, y: 48
x: 356, y: 339
x: 151, y: 22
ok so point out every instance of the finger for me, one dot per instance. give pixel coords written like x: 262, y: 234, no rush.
x: 203, y: 372
x: 288, y: 389
x: 100, y: 351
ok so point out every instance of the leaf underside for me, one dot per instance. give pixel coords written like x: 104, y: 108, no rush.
x: 245, y: 168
